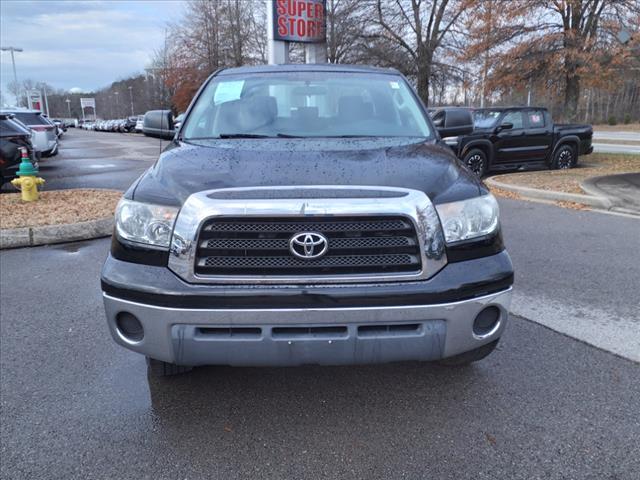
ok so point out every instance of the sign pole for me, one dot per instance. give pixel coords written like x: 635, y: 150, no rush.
x: 46, y: 100
x: 315, y: 53
x: 277, y: 50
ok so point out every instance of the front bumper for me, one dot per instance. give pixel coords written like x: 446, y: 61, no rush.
x: 299, y: 336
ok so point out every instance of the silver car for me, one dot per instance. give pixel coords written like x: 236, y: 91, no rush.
x: 45, y: 138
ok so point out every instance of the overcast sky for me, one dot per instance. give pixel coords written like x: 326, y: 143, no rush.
x: 81, y: 44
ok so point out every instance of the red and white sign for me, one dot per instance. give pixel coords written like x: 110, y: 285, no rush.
x: 34, y: 98
x: 88, y: 103
x: 299, y: 20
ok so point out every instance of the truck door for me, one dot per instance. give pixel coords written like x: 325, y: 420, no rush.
x: 510, y: 143
x: 538, y: 134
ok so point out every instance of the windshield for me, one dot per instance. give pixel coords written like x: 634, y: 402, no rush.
x: 29, y: 118
x: 485, y: 118
x: 306, y: 104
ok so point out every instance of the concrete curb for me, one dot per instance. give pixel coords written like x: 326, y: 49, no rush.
x: 49, y: 234
x: 550, y: 195
x: 590, y: 185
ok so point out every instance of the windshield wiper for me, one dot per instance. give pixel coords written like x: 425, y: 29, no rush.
x: 243, y: 135
x: 257, y: 135
x: 353, y: 136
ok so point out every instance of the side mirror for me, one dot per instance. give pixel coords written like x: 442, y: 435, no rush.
x: 158, y: 123
x: 453, y: 122
x: 505, y: 126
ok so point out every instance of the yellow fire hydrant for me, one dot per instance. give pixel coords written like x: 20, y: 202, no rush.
x: 27, y: 181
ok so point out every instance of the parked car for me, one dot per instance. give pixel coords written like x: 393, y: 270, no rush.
x: 45, y: 139
x: 515, y: 137
x: 14, y: 136
x: 59, y: 132
x: 307, y: 214
x: 130, y: 124
x: 139, y: 123
x: 60, y: 125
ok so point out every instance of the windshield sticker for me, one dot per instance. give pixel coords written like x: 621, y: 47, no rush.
x: 394, y: 85
x: 228, y: 91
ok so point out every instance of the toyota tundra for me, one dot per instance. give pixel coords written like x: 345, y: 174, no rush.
x: 307, y: 214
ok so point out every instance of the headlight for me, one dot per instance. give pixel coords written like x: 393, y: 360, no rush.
x: 468, y: 218
x: 145, y: 223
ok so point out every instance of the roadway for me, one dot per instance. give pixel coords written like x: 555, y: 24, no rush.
x: 544, y: 405
x: 616, y: 142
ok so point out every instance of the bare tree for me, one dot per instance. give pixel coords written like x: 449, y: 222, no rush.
x: 559, y: 44
x: 346, y: 23
x: 418, y: 27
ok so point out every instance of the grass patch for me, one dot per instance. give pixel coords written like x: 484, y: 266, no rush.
x: 57, y: 207
x: 593, y: 165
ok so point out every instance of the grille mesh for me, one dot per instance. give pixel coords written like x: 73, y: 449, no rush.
x: 293, y: 227
x: 268, y: 244
x: 288, y: 262
x: 259, y: 246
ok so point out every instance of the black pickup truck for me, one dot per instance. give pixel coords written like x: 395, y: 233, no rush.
x: 516, y: 137
x: 307, y: 214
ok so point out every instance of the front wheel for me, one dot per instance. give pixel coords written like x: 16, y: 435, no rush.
x: 564, y: 158
x: 476, y: 161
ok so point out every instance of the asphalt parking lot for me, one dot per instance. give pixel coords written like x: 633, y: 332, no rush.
x: 544, y: 405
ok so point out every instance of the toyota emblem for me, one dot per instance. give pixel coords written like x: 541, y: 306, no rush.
x: 308, y: 245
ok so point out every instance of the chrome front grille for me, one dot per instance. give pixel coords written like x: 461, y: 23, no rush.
x: 244, y: 236
x: 367, y: 245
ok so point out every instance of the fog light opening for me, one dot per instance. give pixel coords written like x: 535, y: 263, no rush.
x: 129, y: 327
x: 486, y: 321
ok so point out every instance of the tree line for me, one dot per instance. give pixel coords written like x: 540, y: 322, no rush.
x: 567, y: 55
x: 579, y: 58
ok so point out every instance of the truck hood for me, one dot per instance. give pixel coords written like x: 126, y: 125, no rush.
x: 185, y: 168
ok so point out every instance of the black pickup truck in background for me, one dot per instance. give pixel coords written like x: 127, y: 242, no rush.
x: 508, y: 138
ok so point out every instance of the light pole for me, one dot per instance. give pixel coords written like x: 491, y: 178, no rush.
x: 68, y: 106
x: 117, y: 104
x: 13, y: 62
x: 131, y: 98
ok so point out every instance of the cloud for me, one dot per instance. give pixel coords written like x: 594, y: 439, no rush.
x: 82, y: 44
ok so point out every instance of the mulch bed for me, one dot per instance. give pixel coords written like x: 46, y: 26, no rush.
x: 57, y: 207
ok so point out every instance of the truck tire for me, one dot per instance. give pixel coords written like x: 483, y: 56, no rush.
x: 471, y: 356
x: 476, y: 161
x: 158, y: 368
x: 564, y: 158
